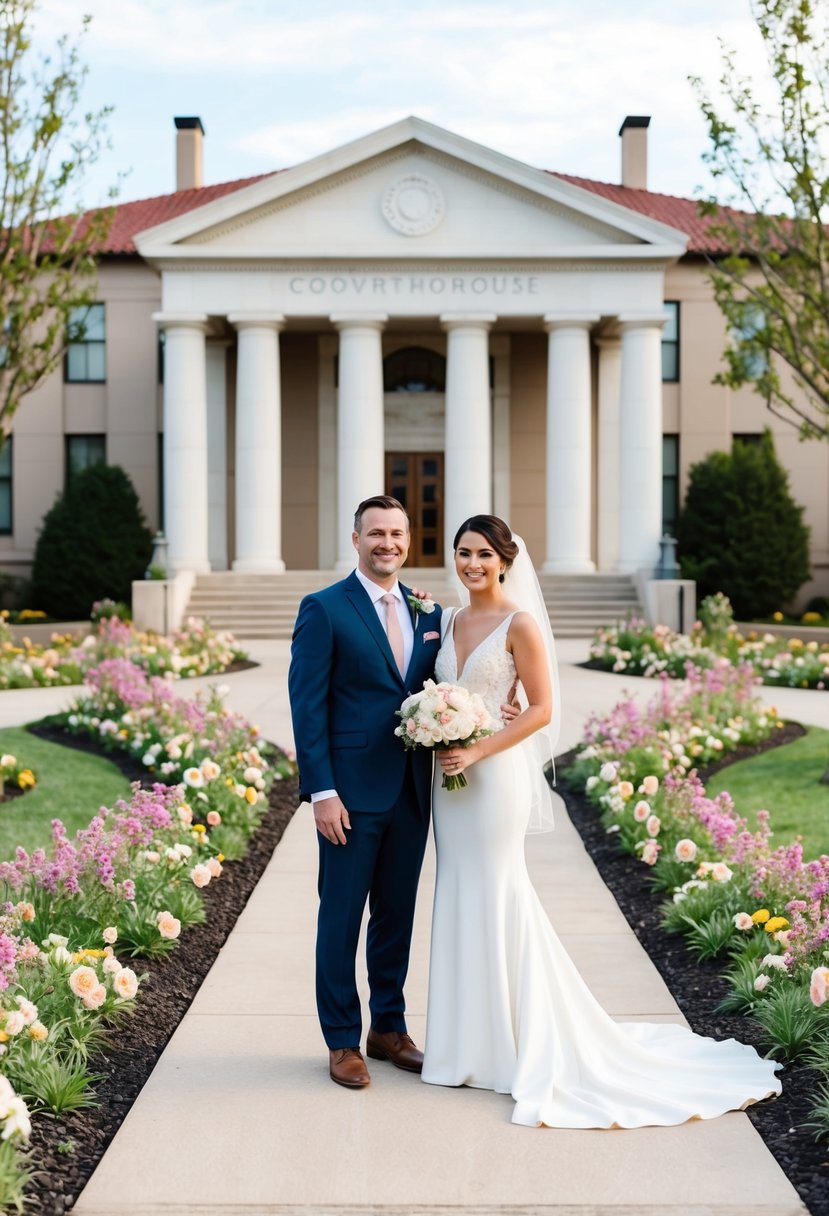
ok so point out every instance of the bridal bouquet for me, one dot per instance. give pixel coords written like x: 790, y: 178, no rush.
x: 443, y: 716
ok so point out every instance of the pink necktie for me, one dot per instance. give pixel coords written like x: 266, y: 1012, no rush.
x: 395, y: 633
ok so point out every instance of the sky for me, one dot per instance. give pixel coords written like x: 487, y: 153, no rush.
x: 276, y: 82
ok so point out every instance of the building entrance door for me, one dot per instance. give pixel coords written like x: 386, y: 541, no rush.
x: 416, y: 480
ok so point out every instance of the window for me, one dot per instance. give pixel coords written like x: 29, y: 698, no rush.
x: 86, y: 353
x: 161, y: 481
x: 752, y: 357
x: 670, y: 484
x: 752, y: 438
x: 670, y: 343
x: 161, y: 356
x: 6, y: 487
x: 82, y: 451
x: 414, y: 369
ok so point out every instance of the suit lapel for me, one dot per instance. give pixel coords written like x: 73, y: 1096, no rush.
x: 361, y: 600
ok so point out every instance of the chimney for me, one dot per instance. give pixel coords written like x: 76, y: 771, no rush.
x: 634, y: 133
x: 189, y: 153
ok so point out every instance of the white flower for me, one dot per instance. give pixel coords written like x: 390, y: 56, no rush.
x: 110, y: 935
x: 194, y: 777
x: 686, y: 850
x: 721, y: 873
x: 125, y: 983
x: 761, y: 982
x: 775, y: 961
x: 743, y: 922
x: 608, y: 772
x: 591, y: 783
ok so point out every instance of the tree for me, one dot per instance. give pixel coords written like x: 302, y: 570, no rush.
x: 93, y: 543
x: 740, y: 532
x: 771, y: 280
x: 47, y: 243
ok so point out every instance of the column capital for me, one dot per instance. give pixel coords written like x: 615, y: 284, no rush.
x: 645, y: 320
x: 468, y: 320
x: 359, y: 320
x: 257, y: 319
x: 182, y: 320
x: 570, y: 320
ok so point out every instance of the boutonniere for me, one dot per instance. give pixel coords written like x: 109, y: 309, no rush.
x: 426, y: 605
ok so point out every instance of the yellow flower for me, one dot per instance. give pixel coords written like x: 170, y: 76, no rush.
x: 775, y: 923
x: 38, y: 1032
x: 251, y: 795
x: 760, y: 916
x: 199, y: 827
x: 778, y: 616
x: 809, y: 618
x: 221, y: 856
x: 4, y: 1038
x: 795, y: 644
x: 26, y: 779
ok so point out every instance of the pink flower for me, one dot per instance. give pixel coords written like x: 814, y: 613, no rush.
x: 743, y: 922
x: 686, y: 850
x: 214, y: 866
x: 111, y: 965
x: 125, y: 983
x: 761, y: 982
x: 650, y: 852
x: 641, y: 812
x: 83, y: 981
x: 214, y: 818
x: 720, y: 872
x: 625, y: 790
x: 168, y: 925
x: 650, y: 785
x: 14, y: 1023
x: 110, y: 935
x: 96, y: 998
x: 200, y: 875
x: 653, y: 825
x: 819, y: 985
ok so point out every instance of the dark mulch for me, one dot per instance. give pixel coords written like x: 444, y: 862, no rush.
x: 699, y: 987
x: 66, y: 1148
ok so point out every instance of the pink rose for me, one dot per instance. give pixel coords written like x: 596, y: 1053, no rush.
x: 96, y: 997
x: 653, y: 825
x: 83, y: 981
x: 125, y: 983
x: 650, y: 852
x: 214, y: 866
x: 200, y: 875
x: 641, y: 812
x: 650, y: 785
x: 168, y: 925
x: 214, y: 819
x: 743, y: 922
x: 686, y: 850
x: 819, y: 985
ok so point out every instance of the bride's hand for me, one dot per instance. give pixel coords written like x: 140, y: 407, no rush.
x: 455, y: 759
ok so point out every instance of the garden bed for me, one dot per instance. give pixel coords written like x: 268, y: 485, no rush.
x: 66, y: 1148
x: 698, y: 987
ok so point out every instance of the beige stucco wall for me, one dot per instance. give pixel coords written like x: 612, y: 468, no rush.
x: 300, y: 372
x: 528, y: 438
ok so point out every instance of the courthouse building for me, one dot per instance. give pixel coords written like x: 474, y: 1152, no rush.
x: 413, y: 313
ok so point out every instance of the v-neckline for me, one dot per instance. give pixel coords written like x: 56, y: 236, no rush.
x: 460, y: 670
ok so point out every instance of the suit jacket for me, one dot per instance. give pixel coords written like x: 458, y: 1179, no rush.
x: 344, y: 688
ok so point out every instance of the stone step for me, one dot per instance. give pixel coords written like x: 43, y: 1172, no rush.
x: 265, y: 605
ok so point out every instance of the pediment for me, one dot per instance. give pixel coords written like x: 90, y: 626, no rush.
x: 410, y: 191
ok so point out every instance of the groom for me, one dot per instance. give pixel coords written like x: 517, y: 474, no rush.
x: 358, y: 649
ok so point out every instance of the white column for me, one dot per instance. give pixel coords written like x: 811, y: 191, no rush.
x: 185, y: 440
x: 468, y: 457
x: 569, y: 457
x: 360, y: 446
x: 258, y: 444
x: 640, y: 443
x: 217, y: 453
x: 610, y: 370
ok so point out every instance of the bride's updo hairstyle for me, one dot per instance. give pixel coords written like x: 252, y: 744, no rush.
x: 496, y: 532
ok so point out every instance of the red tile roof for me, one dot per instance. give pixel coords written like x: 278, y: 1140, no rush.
x: 131, y: 218
x: 681, y: 213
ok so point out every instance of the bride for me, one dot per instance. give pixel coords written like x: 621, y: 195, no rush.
x: 508, y: 1010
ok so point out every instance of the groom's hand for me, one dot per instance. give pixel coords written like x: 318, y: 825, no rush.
x: 512, y: 707
x: 331, y: 819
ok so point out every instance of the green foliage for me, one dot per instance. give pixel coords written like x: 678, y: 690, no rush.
x: 791, y: 1022
x: 93, y: 543
x: 47, y: 143
x: 743, y: 996
x: 138, y: 935
x: 770, y: 281
x: 59, y: 1085
x: 818, y: 1121
x: 740, y: 531
x: 14, y: 1175
x: 709, y: 937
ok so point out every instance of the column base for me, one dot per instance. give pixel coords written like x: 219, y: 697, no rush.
x: 258, y: 565
x: 567, y: 565
x: 182, y: 565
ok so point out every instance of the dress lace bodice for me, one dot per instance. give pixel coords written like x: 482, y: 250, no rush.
x: 489, y: 669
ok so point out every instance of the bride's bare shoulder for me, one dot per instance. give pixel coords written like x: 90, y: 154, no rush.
x: 522, y: 626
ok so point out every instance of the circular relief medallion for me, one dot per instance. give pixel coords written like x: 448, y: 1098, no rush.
x: 413, y: 205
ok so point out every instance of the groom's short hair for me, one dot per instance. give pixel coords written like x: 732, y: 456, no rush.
x: 385, y: 502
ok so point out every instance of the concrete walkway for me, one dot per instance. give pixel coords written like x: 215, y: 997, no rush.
x: 240, y: 1117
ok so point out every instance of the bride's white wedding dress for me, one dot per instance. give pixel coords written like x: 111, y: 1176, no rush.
x: 508, y: 1010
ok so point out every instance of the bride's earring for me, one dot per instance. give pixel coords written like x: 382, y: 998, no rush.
x: 501, y: 576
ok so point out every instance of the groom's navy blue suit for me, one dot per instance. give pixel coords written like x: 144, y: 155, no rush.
x: 344, y: 687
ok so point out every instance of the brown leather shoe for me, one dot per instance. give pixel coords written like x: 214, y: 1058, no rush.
x: 347, y: 1067
x: 398, y: 1048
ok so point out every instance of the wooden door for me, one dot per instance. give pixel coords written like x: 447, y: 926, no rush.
x: 416, y: 480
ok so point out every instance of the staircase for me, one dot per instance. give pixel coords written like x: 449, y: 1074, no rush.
x: 265, y: 605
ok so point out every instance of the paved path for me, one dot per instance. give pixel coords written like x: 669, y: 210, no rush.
x: 239, y: 1116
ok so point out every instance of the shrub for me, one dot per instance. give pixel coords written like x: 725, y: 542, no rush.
x: 93, y: 543
x: 740, y: 531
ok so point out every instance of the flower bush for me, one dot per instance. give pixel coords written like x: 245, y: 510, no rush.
x: 125, y: 886
x: 14, y: 776
x: 194, y: 650
x: 636, y: 648
x: 728, y: 889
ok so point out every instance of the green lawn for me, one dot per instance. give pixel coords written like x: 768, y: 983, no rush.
x: 786, y: 782
x: 71, y: 785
